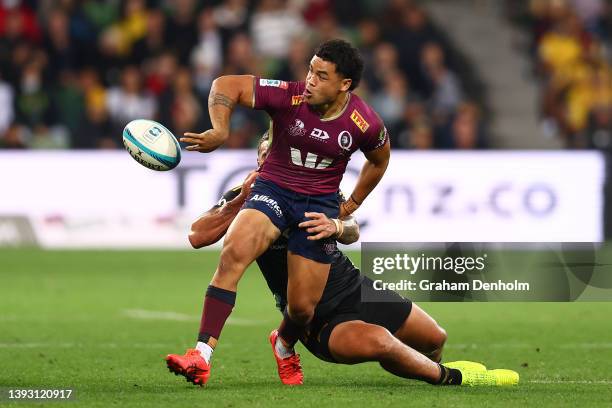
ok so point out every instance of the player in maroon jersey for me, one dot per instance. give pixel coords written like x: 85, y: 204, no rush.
x: 316, y: 126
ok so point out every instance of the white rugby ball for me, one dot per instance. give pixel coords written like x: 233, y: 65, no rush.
x: 151, y: 144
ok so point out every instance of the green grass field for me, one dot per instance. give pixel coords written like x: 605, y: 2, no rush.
x: 101, y: 323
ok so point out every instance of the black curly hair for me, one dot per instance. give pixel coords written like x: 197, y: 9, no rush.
x: 347, y: 59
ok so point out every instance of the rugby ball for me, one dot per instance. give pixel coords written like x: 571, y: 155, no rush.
x: 151, y: 144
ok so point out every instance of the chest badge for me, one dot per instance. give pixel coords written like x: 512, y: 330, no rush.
x: 345, y: 140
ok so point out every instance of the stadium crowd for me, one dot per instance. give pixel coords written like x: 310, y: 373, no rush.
x: 570, y: 44
x: 74, y: 72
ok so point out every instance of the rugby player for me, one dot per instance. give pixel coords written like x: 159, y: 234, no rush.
x: 395, y: 332
x: 316, y: 126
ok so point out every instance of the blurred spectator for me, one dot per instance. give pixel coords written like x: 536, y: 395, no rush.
x: 69, y: 101
x: 207, y: 55
x: 241, y: 58
x: 18, y: 22
x: 154, y: 41
x: 273, y: 27
x: 419, y: 137
x: 231, y: 15
x: 128, y: 101
x: 182, y: 28
x: 76, y: 71
x: 562, y: 45
x: 34, y: 107
x: 95, y: 130
x: 100, y: 14
x: 384, y: 63
x: 14, y: 137
x: 49, y: 137
x: 160, y: 72
x: 390, y: 101
x: 183, y: 109
x: 409, y: 38
x: 572, y: 62
x: 368, y: 39
x: 61, y: 50
x: 295, y: 67
x: 464, y: 131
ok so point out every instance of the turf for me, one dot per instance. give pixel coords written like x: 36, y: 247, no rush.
x: 101, y: 322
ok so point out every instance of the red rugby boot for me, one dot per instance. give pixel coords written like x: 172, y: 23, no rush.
x: 289, y: 369
x: 191, y: 365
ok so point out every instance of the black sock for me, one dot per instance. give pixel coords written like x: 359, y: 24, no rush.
x: 449, y: 376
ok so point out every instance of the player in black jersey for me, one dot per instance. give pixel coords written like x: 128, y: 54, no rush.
x: 398, y: 334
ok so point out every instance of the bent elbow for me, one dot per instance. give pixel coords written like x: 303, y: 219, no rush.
x: 197, y: 241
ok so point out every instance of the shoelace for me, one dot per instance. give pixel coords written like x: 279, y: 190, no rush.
x: 192, y: 356
x: 291, y: 365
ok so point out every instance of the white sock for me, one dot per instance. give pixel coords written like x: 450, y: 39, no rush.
x: 282, y: 350
x: 205, y: 351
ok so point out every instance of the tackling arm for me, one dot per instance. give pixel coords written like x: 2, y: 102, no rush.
x: 226, y: 92
x: 213, y: 224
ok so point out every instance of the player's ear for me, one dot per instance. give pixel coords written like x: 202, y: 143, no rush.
x: 346, y: 84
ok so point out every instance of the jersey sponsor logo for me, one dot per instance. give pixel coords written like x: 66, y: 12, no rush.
x: 345, y: 140
x: 359, y: 121
x: 297, y: 100
x: 319, y: 134
x: 311, y: 160
x: 269, y: 202
x: 297, y: 129
x: 273, y: 82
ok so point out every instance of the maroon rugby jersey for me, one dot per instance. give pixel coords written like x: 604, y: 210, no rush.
x: 308, y: 154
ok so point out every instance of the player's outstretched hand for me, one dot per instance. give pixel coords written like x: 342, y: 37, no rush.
x: 320, y: 225
x: 205, y: 142
x: 246, y: 185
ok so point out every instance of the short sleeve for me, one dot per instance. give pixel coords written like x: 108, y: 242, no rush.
x: 375, y: 137
x: 272, y: 95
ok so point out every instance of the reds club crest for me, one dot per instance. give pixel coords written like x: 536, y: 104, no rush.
x: 297, y: 129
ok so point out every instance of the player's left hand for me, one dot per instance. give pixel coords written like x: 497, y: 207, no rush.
x: 319, y: 224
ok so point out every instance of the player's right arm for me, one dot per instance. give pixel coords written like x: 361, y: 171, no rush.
x: 226, y: 92
x: 213, y: 224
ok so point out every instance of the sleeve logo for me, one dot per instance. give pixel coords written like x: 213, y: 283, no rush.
x: 273, y: 82
x: 382, y: 137
x: 359, y: 121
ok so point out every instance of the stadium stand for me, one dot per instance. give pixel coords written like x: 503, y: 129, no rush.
x: 73, y: 73
x: 569, y: 43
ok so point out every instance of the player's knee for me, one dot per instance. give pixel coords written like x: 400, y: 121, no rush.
x: 378, y: 343
x: 233, y: 256
x: 301, y: 312
x: 437, y: 340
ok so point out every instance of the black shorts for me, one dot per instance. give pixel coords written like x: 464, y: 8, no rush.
x: 286, y: 209
x: 390, y: 314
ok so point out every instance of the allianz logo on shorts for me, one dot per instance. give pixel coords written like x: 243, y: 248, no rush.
x: 269, y: 202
